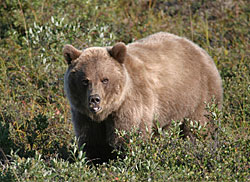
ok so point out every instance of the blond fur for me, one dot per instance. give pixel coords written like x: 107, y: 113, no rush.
x: 157, y: 79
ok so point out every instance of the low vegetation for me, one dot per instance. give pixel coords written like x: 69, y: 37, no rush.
x: 36, y: 137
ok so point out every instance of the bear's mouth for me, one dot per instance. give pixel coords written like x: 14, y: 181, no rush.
x: 95, y: 108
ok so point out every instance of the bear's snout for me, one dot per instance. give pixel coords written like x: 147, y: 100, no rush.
x: 94, y: 101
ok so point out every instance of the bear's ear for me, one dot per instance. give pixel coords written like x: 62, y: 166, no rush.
x: 118, y: 52
x: 70, y: 53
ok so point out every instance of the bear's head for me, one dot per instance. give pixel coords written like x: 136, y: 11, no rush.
x: 96, y: 79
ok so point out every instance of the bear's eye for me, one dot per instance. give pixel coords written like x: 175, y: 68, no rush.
x: 105, y: 80
x: 85, y: 82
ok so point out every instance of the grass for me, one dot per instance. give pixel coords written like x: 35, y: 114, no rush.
x: 37, y: 141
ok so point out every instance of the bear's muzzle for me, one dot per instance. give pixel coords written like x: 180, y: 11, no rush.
x: 94, y: 101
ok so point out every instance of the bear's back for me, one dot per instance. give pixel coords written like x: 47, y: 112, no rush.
x: 179, y: 73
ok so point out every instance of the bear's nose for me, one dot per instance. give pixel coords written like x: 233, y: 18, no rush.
x: 94, y: 99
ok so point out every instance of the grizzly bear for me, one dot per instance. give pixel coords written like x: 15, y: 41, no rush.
x: 157, y: 79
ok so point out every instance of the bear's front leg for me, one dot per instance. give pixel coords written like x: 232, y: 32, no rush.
x: 81, y: 127
x: 97, y: 138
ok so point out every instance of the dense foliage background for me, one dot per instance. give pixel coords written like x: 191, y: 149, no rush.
x: 36, y: 137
